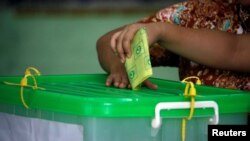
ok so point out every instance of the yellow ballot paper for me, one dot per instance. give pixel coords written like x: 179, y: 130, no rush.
x: 138, y: 66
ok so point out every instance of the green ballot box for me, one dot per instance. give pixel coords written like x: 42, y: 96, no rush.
x: 81, y: 107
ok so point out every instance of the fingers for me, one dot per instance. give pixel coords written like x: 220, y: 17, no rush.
x: 127, y: 40
x: 114, y: 41
x: 120, y: 46
x: 150, y: 85
x: 121, y: 41
x: 117, y: 81
x: 122, y: 82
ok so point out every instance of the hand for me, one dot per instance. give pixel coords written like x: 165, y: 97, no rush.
x: 118, y: 78
x: 120, y: 45
x: 121, y: 81
x: 121, y: 40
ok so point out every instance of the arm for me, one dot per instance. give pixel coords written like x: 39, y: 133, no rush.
x: 212, y: 48
x: 209, y: 47
x: 112, y: 64
x: 106, y: 56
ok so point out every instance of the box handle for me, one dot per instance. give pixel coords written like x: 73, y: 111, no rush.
x: 157, y: 121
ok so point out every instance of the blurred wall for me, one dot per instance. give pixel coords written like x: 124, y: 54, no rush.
x: 59, y: 43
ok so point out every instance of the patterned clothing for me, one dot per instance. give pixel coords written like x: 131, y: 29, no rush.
x: 203, y: 14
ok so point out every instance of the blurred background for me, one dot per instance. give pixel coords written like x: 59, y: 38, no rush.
x: 59, y: 36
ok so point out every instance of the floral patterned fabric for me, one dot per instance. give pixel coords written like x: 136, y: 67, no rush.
x: 202, y: 14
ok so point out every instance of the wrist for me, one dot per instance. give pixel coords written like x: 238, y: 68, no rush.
x: 117, y: 66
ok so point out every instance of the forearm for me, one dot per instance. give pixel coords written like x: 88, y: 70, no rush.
x: 212, y: 48
x: 106, y: 56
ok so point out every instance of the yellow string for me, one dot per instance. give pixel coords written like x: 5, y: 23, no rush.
x: 190, y: 91
x: 198, y: 81
x: 183, y: 129
x: 24, y: 83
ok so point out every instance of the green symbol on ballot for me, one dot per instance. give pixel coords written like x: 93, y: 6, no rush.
x: 132, y: 74
x: 138, y: 50
x: 149, y: 62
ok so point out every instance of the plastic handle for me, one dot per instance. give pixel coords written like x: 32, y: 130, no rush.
x: 156, y: 122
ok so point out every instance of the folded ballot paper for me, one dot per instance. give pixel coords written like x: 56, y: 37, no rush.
x: 138, y: 66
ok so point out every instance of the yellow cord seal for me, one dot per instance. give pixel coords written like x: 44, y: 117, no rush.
x: 190, y: 91
x: 24, y: 83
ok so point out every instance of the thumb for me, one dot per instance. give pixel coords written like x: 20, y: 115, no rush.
x: 150, y: 85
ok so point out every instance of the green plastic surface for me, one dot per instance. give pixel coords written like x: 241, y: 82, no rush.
x: 87, y: 95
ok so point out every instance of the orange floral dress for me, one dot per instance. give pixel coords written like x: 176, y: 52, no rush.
x: 200, y: 14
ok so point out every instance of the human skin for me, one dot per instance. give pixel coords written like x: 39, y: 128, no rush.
x: 111, y: 63
x: 212, y: 48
